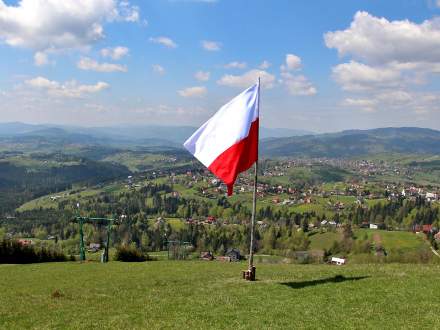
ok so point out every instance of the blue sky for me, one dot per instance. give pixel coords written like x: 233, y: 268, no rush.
x: 325, y: 65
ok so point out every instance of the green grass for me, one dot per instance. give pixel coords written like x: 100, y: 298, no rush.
x: 321, y: 241
x: 202, y: 295
x: 393, y: 239
x: 46, y: 202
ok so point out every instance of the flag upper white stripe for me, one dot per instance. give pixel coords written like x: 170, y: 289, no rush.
x: 228, y: 126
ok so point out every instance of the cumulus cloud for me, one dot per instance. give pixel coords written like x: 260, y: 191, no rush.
x: 127, y: 12
x: 115, y: 53
x: 298, y: 84
x: 211, y: 46
x: 378, y: 40
x: 293, y: 62
x: 236, y: 65
x: 164, y: 41
x: 247, y: 79
x: 197, y: 91
x: 89, y: 64
x: 202, y: 75
x: 70, y: 89
x: 388, y: 58
x: 157, y: 68
x: 355, y: 76
x: 59, y: 25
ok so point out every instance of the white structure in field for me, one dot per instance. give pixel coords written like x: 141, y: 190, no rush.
x: 373, y: 226
x: 338, y: 261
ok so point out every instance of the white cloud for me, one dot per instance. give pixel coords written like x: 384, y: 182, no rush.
x: 396, y: 55
x: 202, y: 75
x: 164, y: 41
x: 236, y: 65
x: 211, y: 46
x: 248, y: 79
x: 157, y: 68
x: 378, y: 40
x: 59, y: 25
x: 355, y: 76
x: 197, y: 91
x: 298, y: 84
x: 396, y: 100
x: 264, y: 65
x: 91, y: 65
x: 367, y: 105
x: 115, y: 53
x: 293, y: 62
x: 69, y: 89
x: 40, y: 59
x: 127, y: 12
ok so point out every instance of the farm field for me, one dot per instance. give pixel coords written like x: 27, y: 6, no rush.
x: 200, y: 295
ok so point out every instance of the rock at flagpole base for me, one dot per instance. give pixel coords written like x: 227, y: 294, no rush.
x: 249, y: 275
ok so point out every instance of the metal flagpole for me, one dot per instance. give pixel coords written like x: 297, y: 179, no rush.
x: 251, y: 270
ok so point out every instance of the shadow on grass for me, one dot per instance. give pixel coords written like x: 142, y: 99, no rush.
x: 334, y: 279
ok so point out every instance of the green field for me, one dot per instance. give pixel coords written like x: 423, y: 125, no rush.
x: 321, y: 241
x: 393, y: 239
x: 201, y: 295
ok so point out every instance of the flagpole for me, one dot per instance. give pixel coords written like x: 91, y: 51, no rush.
x: 251, y: 269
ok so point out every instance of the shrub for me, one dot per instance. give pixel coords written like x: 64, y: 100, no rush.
x: 130, y: 254
x: 13, y: 252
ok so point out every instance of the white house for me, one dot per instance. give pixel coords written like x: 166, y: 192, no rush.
x: 338, y: 261
x: 373, y: 226
x: 431, y: 196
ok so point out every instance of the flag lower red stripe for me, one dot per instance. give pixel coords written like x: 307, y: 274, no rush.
x: 237, y: 158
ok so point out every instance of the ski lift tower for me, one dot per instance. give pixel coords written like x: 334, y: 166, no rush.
x: 109, y: 222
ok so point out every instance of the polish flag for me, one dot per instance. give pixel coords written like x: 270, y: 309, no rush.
x: 227, y: 144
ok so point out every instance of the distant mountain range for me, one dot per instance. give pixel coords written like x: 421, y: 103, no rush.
x: 123, y: 134
x: 353, y: 143
x: 274, y: 142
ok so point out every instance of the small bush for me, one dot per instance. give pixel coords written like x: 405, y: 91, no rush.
x: 130, y: 254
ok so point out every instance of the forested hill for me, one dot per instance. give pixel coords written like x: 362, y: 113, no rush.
x: 354, y: 143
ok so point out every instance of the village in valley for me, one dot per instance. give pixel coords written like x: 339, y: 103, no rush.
x: 320, y: 199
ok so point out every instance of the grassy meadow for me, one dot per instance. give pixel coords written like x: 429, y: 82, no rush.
x: 201, y: 295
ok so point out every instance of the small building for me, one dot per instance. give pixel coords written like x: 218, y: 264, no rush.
x: 338, y: 261
x: 207, y: 255
x: 430, y: 197
x: 94, y: 247
x: 234, y: 254
x: 223, y: 258
x: 427, y: 228
x: 25, y: 242
x: 211, y: 219
x: 373, y: 226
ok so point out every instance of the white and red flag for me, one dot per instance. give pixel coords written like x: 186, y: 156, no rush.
x: 227, y: 143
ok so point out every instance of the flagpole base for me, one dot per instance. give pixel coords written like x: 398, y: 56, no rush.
x: 249, y: 275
